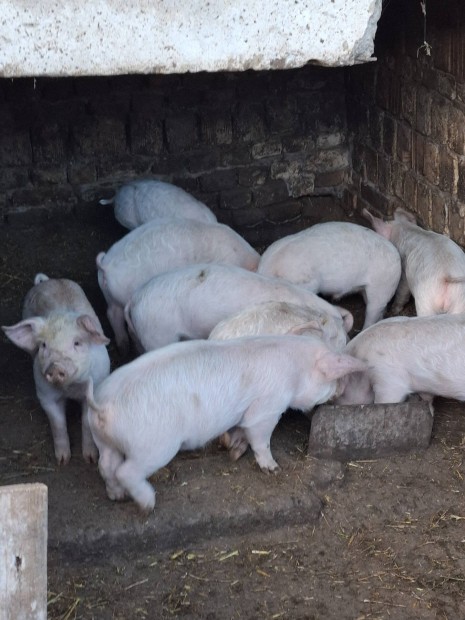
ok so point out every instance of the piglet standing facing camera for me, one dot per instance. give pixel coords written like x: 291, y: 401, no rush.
x: 184, y: 395
x: 63, y: 334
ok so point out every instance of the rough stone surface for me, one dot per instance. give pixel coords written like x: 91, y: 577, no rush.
x: 349, y: 432
x: 55, y: 39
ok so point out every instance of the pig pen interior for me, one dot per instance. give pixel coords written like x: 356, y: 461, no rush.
x: 271, y: 152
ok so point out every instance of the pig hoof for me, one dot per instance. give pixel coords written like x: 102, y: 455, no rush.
x: 238, y: 449
x: 270, y: 468
x: 90, y: 456
x: 63, y: 458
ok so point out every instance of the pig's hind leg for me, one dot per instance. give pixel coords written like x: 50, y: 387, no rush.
x: 132, y: 476
x: 109, y: 461
x: 259, y: 422
x: 390, y: 389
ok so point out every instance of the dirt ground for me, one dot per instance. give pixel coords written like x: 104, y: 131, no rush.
x: 387, y: 542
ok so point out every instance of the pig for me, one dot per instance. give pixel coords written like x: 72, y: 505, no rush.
x: 184, y: 395
x: 187, y: 303
x: 63, y: 334
x: 160, y: 246
x: 337, y: 258
x: 274, y: 317
x: 139, y: 202
x: 406, y: 355
x: 433, y: 266
x: 277, y: 317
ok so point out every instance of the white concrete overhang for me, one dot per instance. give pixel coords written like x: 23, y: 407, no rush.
x: 113, y: 37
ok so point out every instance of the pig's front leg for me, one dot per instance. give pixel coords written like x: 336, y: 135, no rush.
x: 259, y: 436
x: 131, y: 476
x: 89, y: 449
x: 402, y: 295
x: 54, y: 404
x: 115, y: 316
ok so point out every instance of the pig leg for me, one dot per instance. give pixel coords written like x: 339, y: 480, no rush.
x: 376, y: 302
x: 392, y: 391
x: 235, y: 441
x: 53, y: 402
x: 115, y: 315
x: 259, y: 423
x: 108, y: 463
x: 89, y: 449
x: 402, y: 295
x: 132, y: 477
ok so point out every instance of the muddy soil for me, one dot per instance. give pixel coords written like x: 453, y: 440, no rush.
x: 388, y: 543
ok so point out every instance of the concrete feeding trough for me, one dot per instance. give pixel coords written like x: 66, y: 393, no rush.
x: 349, y: 432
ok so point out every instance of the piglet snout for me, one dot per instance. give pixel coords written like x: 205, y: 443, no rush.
x: 56, y: 374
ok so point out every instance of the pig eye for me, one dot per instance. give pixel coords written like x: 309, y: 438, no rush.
x: 77, y: 343
x: 43, y: 345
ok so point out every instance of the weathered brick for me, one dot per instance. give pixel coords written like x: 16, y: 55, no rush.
x: 385, y: 174
x: 431, y: 162
x: 145, y: 134
x: 424, y: 203
x: 81, y: 172
x: 376, y: 124
x: 236, y: 155
x: 322, y: 208
x: 461, y: 180
x: 101, y: 137
x: 456, y: 221
x: 439, y: 119
x: 297, y: 144
x: 181, y: 132
x: 216, y: 127
x: 371, y: 165
x: 15, y: 176
x: 267, y: 149
x: 299, y: 179
x: 49, y: 174
x: 252, y: 176
x: 398, y: 171
x: 375, y: 198
x: 149, y: 103
x: 408, y: 102
x: 15, y: 149
x: 389, y: 135
x: 423, y: 107
x: 456, y: 128
x: 439, y: 210
x: 404, y: 143
x: 333, y: 178
x: 272, y: 192
x: 49, y: 143
x: 282, y: 114
x: 201, y: 159
x: 218, y: 180
x: 418, y: 153
x: 238, y: 198
x: 249, y: 123
x: 410, y: 191
x: 247, y: 217
x: 448, y: 171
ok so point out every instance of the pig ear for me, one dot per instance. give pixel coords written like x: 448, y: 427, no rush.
x: 334, y: 366
x: 347, y: 318
x: 382, y: 228
x: 25, y: 333
x: 312, y: 326
x: 87, y: 323
x: 400, y: 215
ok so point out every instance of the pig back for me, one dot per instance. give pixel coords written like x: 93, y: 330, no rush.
x: 161, y: 246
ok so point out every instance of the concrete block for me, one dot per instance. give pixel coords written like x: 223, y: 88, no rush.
x: 347, y: 432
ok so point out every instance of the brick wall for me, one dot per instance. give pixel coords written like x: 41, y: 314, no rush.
x: 406, y: 117
x: 260, y: 148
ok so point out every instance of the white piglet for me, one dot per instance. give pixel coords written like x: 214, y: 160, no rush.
x: 187, y: 303
x: 274, y: 317
x: 337, y: 258
x: 184, y: 395
x: 433, y: 266
x: 63, y: 334
x: 407, y: 355
x: 139, y: 202
x: 160, y: 246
